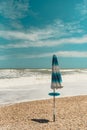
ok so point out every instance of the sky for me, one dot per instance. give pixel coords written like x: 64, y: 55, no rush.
x: 31, y: 31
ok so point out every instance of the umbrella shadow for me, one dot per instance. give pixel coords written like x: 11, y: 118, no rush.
x: 40, y: 120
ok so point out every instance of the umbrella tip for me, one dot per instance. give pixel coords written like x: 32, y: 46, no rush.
x: 54, y: 55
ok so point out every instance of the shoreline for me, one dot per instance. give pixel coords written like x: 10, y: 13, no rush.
x: 70, y: 114
x: 36, y: 100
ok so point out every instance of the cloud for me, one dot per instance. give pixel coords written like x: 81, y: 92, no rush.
x: 33, y: 40
x: 77, y: 54
x: 13, y: 12
x: 74, y: 40
x: 18, y: 35
x: 51, y: 35
x: 82, y: 9
x: 14, y: 8
x: 65, y: 54
x: 56, y: 30
x: 71, y: 40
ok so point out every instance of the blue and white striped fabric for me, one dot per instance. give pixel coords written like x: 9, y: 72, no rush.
x: 56, y: 75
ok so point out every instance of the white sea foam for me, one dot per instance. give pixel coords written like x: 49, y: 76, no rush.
x: 34, y: 84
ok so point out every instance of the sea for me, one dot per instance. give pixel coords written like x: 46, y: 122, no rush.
x: 20, y: 85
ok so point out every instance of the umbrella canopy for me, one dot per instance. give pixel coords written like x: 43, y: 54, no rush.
x: 56, y: 75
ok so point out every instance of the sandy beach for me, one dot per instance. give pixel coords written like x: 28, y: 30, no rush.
x: 71, y: 114
x: 25, y: 103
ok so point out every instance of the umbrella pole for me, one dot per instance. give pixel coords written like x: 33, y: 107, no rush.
x: 54, y: 106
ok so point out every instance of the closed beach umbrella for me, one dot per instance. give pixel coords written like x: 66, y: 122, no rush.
x: 56, y: 75
x: 55, y: 81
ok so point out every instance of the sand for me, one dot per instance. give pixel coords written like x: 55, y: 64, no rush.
x: 71, y: 114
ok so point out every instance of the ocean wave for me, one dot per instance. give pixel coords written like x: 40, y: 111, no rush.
x: 17, y: 73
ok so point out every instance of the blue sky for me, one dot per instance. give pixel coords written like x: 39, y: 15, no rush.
x: 31, y: 31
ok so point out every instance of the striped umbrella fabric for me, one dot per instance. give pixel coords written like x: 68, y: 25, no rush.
x: 56, y: 75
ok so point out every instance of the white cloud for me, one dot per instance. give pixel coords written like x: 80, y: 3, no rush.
x: 74, y: 40
x: 75, y: 54
x: 14, y: 8
x: 31, y: 40
x: 71, y: 40
x: 72, y: 54
x: 56, y: 30
x: 18, y: 35
x: 65, y: 54
x: 82, y: 9
x: 55, y: 34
